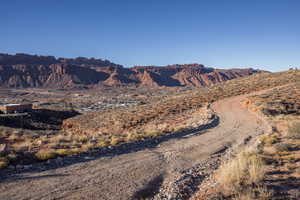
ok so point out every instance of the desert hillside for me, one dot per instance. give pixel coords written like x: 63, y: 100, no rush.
x: 169, y: 114
x: 169, y: 142
x: 270, y: 167
x: 23, y: 71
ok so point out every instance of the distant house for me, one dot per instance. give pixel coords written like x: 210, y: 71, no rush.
x: 15, y: 108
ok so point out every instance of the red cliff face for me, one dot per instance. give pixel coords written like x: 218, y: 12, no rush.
x: 22, y: 70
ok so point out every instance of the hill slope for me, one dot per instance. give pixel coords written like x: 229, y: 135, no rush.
x: 141, y: 169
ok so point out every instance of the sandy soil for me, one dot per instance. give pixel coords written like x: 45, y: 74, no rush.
x: 123, y: 176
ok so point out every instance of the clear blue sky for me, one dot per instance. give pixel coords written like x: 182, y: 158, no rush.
x: 216, y: 33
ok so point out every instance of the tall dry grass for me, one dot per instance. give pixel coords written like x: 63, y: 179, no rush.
x: 247, y: 168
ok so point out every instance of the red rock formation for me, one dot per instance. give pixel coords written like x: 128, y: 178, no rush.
x: 22, y: 70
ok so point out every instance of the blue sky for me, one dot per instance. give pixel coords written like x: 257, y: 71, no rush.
x: 217, y: 33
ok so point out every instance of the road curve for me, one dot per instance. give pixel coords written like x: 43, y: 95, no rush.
x: 121, y: 177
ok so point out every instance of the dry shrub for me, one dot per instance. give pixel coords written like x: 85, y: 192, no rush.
x: 3, y: 162
x: 264, y: 193
x: 81, y: 138
x: 178, y: 128
x: 246, y: 195
x: 61, y: 138
x: 45, y: 154
x: 246, y: 169
x: 102, y: 143
x: 283, y: 147
x: 269, y: 139
x: 133, y: 136
x: 75, y: 150
x: 22, y: 146
x: 152, y: 133
x: 88, y: 146
x: 297, y: 171
x: 63, y: 152
x: 254, y: 193
x: 290, y: 158
x: 115, y: 140
x: 294, y: 131
x: 12, y: 157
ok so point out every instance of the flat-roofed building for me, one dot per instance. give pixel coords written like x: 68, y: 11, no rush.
x: 15, y: 108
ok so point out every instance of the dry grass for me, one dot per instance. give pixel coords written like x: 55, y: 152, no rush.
x: 63, y: 152
x: 269, y: 139
x: 246, y: 169
x: 282, y: 101
x: 115, y: 140
x: 240, y: 178
x: 45, y: 154
x: 282, y: 107
x: 258, y: 193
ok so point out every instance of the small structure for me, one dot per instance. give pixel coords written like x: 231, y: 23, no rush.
x: 15, y: 108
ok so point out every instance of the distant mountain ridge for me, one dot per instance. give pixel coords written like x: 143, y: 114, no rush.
x: 26, y: 59
x: 23, y: 70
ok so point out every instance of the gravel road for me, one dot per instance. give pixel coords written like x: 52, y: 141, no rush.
x: 140, y: 173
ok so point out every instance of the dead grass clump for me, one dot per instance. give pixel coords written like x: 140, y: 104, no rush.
x: 115, y: 140
x: 268, y: 140
x: 102, y: 143
x: 75, y: 150
x: 242, y: 177
x: 246, y: 169
x: 81, y: 138
x: 45, y: 154
x: 63, y: 152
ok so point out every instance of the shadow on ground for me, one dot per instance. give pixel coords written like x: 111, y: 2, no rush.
x: 38, y: 119
x: 150, y: 189
x: 284, y: 188
x: 17, y: 178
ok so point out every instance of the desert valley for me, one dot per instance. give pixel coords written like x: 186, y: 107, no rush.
x: 91, y: 129
x: 149, y: 100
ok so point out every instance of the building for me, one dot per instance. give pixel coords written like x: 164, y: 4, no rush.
x: 15, y: 108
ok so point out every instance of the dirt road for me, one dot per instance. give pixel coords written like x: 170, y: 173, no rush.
x: 121, y: 177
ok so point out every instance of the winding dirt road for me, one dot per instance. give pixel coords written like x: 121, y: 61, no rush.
x: 121, y: 177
